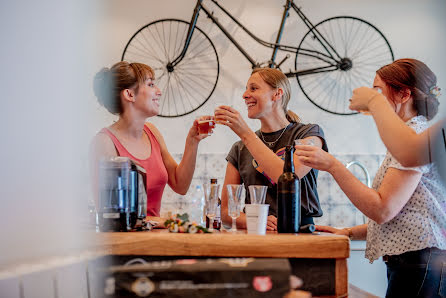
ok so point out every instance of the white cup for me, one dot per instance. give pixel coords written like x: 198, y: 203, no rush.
x: 256, y: 218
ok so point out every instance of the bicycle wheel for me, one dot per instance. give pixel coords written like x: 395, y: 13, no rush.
x: 361, y: 50
x: 188, y: 85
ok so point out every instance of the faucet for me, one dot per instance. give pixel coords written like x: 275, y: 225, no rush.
x: 364, y: 169
x: 367, y: 178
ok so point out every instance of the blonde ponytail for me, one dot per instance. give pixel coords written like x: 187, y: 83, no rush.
x: 292, y: 117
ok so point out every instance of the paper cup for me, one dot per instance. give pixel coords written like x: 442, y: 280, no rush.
x: 256, y: 218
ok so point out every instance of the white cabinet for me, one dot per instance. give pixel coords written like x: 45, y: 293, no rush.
x: 369, y: 277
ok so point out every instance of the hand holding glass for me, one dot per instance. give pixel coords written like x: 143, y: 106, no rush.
x: 211, y: 197
x: 206, y: 124
x: 234, y: 203
x: 217, y: 119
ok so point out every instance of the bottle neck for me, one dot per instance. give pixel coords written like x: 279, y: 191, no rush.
x: 288, y: 165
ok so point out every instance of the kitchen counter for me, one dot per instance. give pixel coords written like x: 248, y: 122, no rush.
x: 223, y: 244
x: 319, y: 259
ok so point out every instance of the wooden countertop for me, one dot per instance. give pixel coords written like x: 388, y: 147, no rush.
x: 222, y: 244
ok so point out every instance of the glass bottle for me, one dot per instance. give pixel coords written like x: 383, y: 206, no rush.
x: 217, y: 220
x: 288, y: 196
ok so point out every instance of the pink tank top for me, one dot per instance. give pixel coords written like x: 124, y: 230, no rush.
x: 156, y: 173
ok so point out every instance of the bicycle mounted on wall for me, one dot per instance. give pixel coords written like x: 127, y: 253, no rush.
x: 335, y: 56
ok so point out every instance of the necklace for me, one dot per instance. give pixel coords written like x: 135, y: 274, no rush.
x: 270, y: 144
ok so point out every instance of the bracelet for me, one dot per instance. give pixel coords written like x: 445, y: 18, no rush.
x: 250, y: 140
x: 350, y: 233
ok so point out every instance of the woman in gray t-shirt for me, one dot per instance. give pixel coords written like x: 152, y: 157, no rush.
x: 256, y: 158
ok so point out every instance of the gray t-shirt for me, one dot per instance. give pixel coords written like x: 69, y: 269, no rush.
x: 251, y: 172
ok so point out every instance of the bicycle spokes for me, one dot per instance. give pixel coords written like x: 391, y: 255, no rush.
x: 328, y: 84
x: 188, y: 85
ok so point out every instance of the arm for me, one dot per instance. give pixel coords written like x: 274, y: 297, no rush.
x: 101, y: 146
x: 390, y: 125
x: 232, y: 176
x: 380, y: 205
x: 357, y: 232
x: 180, y: 175
x: 270, y: 162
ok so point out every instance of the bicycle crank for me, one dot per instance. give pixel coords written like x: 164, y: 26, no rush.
x: 345, y: 64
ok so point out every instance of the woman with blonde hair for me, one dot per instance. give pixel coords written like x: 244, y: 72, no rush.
x: 257, y: 159
x: 129, y: 91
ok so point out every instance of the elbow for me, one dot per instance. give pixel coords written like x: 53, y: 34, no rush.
x: 226, y: 219
x: 383, y: 216
x: 182, y: 191
x: 179, y: 188
x: 408, y: 160
x: 409, y: 163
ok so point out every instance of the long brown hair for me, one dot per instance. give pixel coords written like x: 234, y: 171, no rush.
x: 109, y: 82
x: 276, y: 79
x: 414, y: 75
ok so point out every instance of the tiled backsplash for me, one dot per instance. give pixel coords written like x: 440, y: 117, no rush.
x: 338, y: 210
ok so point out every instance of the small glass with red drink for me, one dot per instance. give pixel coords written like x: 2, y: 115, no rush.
x: 206, y: 124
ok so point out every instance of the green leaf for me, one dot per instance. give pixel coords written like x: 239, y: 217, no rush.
x: 183, y: 217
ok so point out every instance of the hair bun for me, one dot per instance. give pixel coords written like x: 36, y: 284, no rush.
x: 427, y: 105
x: 102, y: 86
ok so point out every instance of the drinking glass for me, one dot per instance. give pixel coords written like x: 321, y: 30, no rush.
x: 234, y: 203
x: 308, y: 142
x: 206, y: 124
x: 217, y: 107
x: 257, y: 193
x: 211, y: 197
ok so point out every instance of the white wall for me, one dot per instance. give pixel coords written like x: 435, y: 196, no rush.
x: 414, y: 29
x: 44, y: 54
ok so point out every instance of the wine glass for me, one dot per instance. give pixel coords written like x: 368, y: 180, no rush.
x: 234, y: 203
x: 211, y: 197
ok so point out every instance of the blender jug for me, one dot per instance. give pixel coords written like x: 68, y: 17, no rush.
x: 115, y: 207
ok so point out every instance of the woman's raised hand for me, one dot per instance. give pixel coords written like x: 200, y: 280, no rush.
x: 230, y: 117
x: 194, y: 133
x: 361, y: 98
x: 315, y: 157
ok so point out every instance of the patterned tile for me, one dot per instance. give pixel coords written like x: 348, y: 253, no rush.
x: 216, y: 166
x: 338, y: 210
x: 342, y: 216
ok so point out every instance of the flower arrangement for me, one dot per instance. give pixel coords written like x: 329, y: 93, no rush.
x: 180, y: 224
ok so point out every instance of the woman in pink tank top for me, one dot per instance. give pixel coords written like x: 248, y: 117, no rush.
x: 129, y: 90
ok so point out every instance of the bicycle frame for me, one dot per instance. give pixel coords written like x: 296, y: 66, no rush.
x: 331, y: 57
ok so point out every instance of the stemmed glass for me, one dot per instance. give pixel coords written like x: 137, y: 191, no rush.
x: 211, y: 197
x: 234, y: 203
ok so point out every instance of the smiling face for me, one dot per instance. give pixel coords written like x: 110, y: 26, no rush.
x: 147, y: 97
x: 259, y: 97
